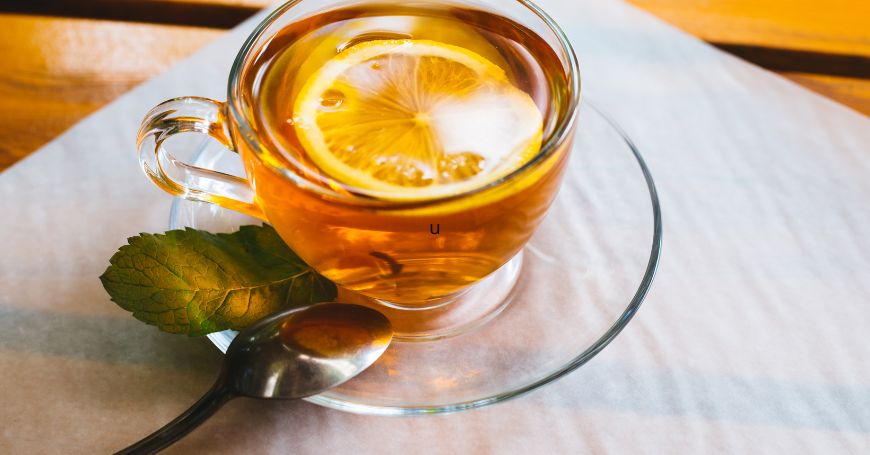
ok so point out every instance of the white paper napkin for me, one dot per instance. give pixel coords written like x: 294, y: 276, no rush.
x: 753, y: 340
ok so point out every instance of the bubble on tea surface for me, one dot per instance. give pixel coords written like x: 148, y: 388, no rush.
x: 331, y: 99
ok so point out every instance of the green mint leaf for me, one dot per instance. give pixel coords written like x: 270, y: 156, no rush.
x: 195, y: 282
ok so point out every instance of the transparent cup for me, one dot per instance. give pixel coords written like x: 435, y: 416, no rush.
x: 437, y: 267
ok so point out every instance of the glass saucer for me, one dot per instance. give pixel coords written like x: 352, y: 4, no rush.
x: 585, y: 273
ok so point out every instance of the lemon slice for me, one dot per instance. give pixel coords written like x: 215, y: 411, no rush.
x: 415, y: 119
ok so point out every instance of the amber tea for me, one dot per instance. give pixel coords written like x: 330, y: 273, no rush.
x: 415, y: 139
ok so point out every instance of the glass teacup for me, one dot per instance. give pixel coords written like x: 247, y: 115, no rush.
x: 436, y: 261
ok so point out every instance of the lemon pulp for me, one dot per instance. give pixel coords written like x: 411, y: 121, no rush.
x: 415, y: 119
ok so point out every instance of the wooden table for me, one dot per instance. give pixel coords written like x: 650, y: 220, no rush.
x: 63, y: 59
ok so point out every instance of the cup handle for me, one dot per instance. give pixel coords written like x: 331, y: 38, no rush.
x: 192, y: 115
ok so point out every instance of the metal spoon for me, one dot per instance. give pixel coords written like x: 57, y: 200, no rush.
x: 291, y: 354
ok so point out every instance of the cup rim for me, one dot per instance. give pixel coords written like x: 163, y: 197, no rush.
x: 551, y: 143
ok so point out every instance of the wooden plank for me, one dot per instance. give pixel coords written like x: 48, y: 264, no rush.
x: 854, y: 93
x: 824, y: 46
x: 795, y: 61
x: 56, y: 71
x: 174, y: 12
x: 832, y: 26
x: 252, y: 3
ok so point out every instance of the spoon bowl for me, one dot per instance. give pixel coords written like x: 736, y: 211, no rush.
x: 298, y: 353
x: 291, y: 354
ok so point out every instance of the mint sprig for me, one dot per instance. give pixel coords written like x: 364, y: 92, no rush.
x: 195, y: 282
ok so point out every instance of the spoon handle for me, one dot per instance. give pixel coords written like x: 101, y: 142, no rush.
x: 183, y: 424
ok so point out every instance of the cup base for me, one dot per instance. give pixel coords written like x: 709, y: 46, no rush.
x: 453, y: 315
